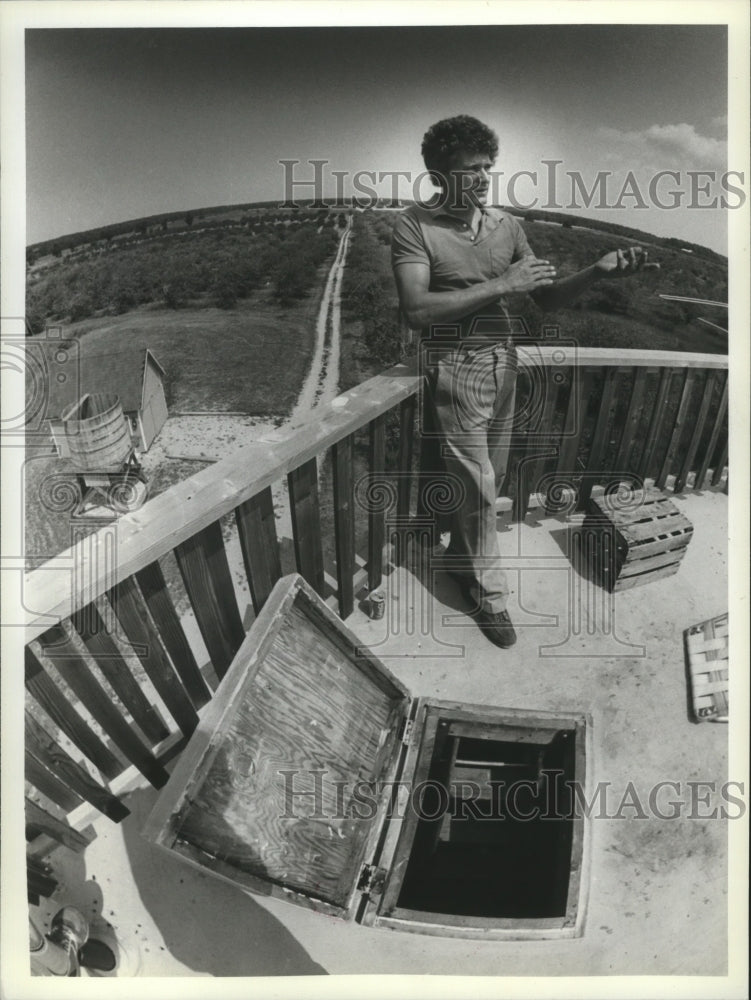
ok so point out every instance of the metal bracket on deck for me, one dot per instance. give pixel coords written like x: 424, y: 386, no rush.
x: 371, y: 880
x: 405, y: 733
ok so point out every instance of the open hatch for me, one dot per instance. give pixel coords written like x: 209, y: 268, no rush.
x: 315, y: 776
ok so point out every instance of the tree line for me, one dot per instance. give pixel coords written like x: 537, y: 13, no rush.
x: 214, y: 267
x: 368, y: 290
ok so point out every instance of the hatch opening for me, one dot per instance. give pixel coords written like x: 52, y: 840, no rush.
x: 496, y: 823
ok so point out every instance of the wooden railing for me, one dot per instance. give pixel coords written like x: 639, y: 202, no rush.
x: 617, y: 416
x: 114, y: 687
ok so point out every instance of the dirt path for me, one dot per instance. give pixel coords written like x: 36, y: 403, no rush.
x: 321, y: 383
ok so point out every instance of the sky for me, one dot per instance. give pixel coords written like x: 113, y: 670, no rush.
x: 123, y: 122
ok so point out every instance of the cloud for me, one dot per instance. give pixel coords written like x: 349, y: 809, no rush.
x: 666, y: 146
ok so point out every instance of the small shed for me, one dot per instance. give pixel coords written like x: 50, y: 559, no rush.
x: 136, y: 377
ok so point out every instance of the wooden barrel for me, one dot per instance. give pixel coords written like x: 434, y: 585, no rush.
x: 97, y: 432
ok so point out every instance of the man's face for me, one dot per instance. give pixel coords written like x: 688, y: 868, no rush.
x: 468, y: 178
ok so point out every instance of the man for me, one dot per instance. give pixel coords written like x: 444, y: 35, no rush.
x: 454, y: 262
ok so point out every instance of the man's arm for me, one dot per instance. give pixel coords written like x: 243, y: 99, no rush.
x: 423, y: 307
x: 616, y: 264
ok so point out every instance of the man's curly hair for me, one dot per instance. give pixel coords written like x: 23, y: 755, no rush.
x: 447, y: 136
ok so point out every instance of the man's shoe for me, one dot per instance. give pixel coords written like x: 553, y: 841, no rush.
x: 496, y: 626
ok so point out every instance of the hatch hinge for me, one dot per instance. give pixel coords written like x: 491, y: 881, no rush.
x: 405, y: 733
x: 371, y: 880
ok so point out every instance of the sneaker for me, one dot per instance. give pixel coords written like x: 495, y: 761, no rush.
x: 496, y: 626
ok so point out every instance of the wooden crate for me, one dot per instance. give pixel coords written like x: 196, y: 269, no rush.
x: 631, y: 543
x: 707, y: 656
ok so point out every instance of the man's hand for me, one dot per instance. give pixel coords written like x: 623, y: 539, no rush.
x: 622, y: 263
x: 527, y: 274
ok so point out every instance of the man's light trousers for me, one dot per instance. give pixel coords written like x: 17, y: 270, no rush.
x: 472, y: 389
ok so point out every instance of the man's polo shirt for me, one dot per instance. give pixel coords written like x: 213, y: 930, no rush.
x: 459, y: 258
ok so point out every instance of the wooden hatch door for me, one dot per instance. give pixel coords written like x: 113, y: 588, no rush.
x: 281, y: 787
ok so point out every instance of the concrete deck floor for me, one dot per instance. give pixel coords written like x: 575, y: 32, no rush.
x: 657, y: 895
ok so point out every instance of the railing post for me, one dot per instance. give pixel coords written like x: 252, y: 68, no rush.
x: 58, y: 648
x: 43, y: 689
x: 130, y: 608
x: 631, y: 423
x: 205, y: 571
x: 534, y: 450
x: 92, y: 629
x: 376, y: 513
x: 306, y: 523
x: 154, y: 589
x: 48, y: 750
x: 713, y: 437
x: 432, y: 469
x: 720, y: 465
x: 573, y: 424
x: 343, y: 459
x: 406, y: 453
x: 404, y: 476
x: 678, y: 428
x: 547, y: 448
x: 655, y: 423
x: 599, y: 438
x: 701, y: 420
x: 256, y: 527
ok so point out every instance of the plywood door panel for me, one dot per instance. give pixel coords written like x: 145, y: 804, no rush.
x: 303, y: 709
x: 275, y: 798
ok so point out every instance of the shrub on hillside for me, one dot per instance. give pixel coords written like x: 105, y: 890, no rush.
x: 81, y: 307
x: 224, y: 292
x: 294, y: 278
x: 612, y: 298
x: 385, y: 339
x: 123, y: 293
x: 175, y: 289
x: 369, y: 289
x: 35, y: 322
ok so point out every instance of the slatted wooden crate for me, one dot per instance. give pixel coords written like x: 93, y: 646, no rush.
x: 634, y: 542
x: 707, y: 655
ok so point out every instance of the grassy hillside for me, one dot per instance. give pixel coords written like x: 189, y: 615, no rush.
x: 251, y: 359
x: 197, y: 265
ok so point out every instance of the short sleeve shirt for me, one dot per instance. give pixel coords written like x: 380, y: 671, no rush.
x: 459, y: 258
